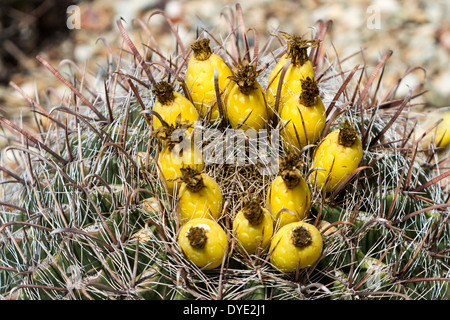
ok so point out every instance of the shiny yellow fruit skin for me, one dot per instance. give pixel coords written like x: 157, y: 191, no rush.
x: 240, y: 105
x: 442, y: 135
x: 200, y: 81
x: 206, y: 203
x: 211, y: 255
x: 285, y: 256
x: 346, y: 160
x: 171, y: 161
x: 291, y: 81
x: 438, y: 135
x: 297, y: 200
x: 170, y: 112
x: 251, y: 237
x: 295, y: 114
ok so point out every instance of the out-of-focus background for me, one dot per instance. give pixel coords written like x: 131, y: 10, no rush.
x: 417, y: 31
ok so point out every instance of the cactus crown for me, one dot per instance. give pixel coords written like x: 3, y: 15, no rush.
x: 310, y: 92
x: 202, y: 50
x: 253, y: 212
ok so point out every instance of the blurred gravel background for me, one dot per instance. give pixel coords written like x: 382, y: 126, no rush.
x: 417, y: 31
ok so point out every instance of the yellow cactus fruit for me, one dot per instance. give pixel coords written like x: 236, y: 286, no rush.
x: 253, y: 227
x: 289, y: 197
x: 199, y: 196
x: 303, y: 116
x: 442, y: 135
x: 150, y: 205
x: 204, y: 242
x: 200, y: 77
x: 176, y: 154
x: 245, y: 100
x: 339, y: 154
x: 170, y: 105
x: 300, y: 68
x: 438, y: 136
x: 295, y: 246
x: 326, y: 228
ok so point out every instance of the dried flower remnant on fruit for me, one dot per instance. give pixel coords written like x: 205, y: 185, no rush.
x: 163, y: 91
x: 197, y: 237
x: 347, y: 136
x: 202, y: 50
x: 310, y: 92
x: 301, y: 237
x: 253, y: 212
x: 193, y: 179
x: 297, y: 48
x: 245, y: 77
x: 173, y: 134
x: 290, y: 170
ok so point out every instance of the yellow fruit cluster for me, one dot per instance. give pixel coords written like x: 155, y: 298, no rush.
x: 219, y: 92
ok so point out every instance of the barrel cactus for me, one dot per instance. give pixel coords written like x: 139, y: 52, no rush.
x: 87, y: 214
